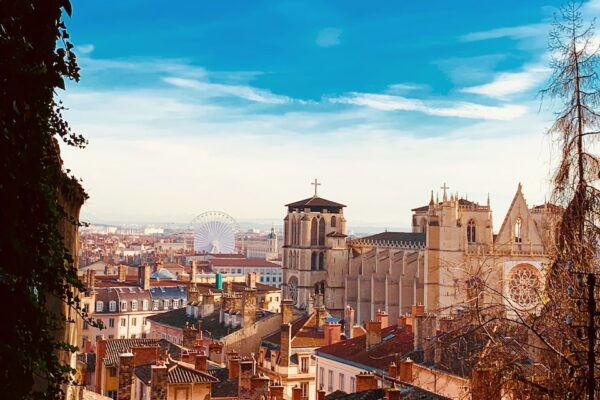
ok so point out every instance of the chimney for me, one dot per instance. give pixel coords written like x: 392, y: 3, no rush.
x: 144, y: 277
x: 392, y: 394
x: 406, y: 371
x: 333, y: 333
x: 122, y: 273
x: 348, y: 321
x: 190, y: 334
x: 201, y: 362
x: 208, y: 304
x: 246, y: 373
x: 159, y: 379
x: 424, y: 331
x: 418, y: 309
x: 215, y: 351
x: 321, y: 315
x: 287, y: 312
x: 384, y: 318
x: 233, y: 365
x: 357, y: 331
x: 259, y: 387
x: 125, y: 376
x: 393, y: 370
x: 193, y: 272
x: 403, y: 321
x: 365, y: 381
x: 277, y: 392
x: 251, y: 280
x: 321, y: 394
x: 285, y: 346
x: 249, y: 307
x: 296, y: 393
x: 228, y: 287
x: 91, y: 279
x: 373, y: 333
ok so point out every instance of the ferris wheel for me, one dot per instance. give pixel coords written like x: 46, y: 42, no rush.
x: 214, y: 232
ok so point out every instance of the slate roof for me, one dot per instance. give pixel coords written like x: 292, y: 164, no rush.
x: 304, y: 334
x: 395, y: 340
x: 416, y: 237
x: 315, y: 201
x: 225, y: 388
x: 176, y: 373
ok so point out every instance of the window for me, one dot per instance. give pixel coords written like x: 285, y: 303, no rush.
x: 155, y: 305
x: 123, y: 306
x: 85, y: 325
x: 304, y: 387
x: 176, y: 303
x: 321, y: 378
x: 471, y: 237
x: 322, y: 232
x: 341, y: 387
x: 518, y: 237
x: 143, y: 336
x: 330, y: 381
x: 304, y: 364
x: 112, y: 394
x: 112, y: 371
x: 122, y: 336
x: 123, y: 322
x: 144, y: 321
x: 314, y: 234
x: 333, y: 222
x: 112, y: 306
x: 86, y: 308
x: 133, y: 336
x: 145, y: 305
x: 321, y: 261
x: 99, y: 306
x: 111, y: 336
x: 352, y: 384
x: 313, y: 261
x: 166, y: 304
x: 133, y: 321
x: 134, y: 305
x: 111, y: 322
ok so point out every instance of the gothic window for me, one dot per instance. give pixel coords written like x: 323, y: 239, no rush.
x: 524, y: 285
x: 471, y: 234
x: 321, y: 261
x: 313, y: 261
x: 292, y: 289
x: 333, y: 222
x: 322, y: 232
x: 294, y: 223
x: 314, y: 227
x: 518, y: 237
x: 298, y: 224
x: 286, y: 233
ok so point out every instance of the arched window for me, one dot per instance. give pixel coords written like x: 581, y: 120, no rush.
x: 297, y: 260
x: 293, y: 231
x: 99, y: 306
x: 313, y: 261
x: 321, y: 261
x: 518, y: 237
x: 322, y: 232
x: 333, y: 222
x: 471, y: 233
x: 286, y: 232
x: 314, y: 228
x: 112, y: 306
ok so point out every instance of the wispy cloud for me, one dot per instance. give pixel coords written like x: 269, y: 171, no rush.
x: 398, y: 88
x: 468, y: 110
x: 85, y: 48
x: 329, y: 37
x: 513, y: 32
x: 220, y: 90
x: 506, y: 84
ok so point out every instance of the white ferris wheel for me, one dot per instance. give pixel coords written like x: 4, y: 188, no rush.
x: 214, y: 232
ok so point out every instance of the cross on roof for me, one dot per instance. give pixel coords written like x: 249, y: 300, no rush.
x: 445, y: 187
x: 316, y: 184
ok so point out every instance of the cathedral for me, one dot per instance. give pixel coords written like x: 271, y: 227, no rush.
x: 451, y: 251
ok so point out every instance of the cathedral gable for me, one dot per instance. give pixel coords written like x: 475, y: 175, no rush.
x: 518, y: 226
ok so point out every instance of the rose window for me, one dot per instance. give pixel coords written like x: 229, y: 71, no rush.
x: 524, y: 285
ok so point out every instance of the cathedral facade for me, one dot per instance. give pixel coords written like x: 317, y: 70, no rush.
x: 450, y: 254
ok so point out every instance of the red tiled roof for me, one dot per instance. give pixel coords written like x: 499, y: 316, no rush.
x: 304, y: 333
x: 395, y: 340
x: 177, y: 374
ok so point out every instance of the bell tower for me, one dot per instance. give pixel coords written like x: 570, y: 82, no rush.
x: 314, y: 252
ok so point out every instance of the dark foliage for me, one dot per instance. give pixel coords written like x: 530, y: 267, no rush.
x: 36, y: 269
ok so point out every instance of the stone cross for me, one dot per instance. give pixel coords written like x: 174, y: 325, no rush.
x: 316, y: 184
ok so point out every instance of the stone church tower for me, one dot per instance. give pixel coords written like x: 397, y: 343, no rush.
x: 315, y: 252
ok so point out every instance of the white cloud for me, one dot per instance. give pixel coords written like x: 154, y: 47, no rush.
x: 329, y: 37
x: 397, y: 88
x: 505, y: 84
x: 514, y: 32
x: 219, y: 90
x: 85, y: 48
x: 386, y: 102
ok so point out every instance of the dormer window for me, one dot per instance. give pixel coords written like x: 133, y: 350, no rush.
x: 99, y: 306
x: 112, y: 306
x: 155, y: 305
x: 123, y: 306
x: 518, y: 237
x: 145, y: 305
x: 134, y: 305
x: 471, y: 232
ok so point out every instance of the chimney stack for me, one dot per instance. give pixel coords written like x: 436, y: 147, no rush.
x: 246, y: 373
x: 233, y: 365
x: 160, y: 379
x: 276, y: 392
x: 251, y: 280
x: 285, y: 346
x: 125, y: 376
x: 373, y: 333
x: 348, y: 321
x: 259, y: 387
x: 406, y: 370
x: 249, y: 307
x: 321, y: 394
x: 357, y: 331
x: 190, y: 335
x: 365, y: 381
x: 321, y: 315
x: 287, y: 312
x: 384, y: 318
x: 201, y: 362
x: 424, y: 331
x: 193, y: 271
x: 122, y: 273
x: 215, y: 351
x: 208, y: 304
x: 144, y: 277
x: 392, y: 394
x: 393, y: 370
x: 333, y: 333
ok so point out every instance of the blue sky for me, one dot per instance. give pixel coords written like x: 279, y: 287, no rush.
x: 238, y: 105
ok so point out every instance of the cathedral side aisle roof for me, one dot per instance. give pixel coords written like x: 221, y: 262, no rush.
x: 399, y: 237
